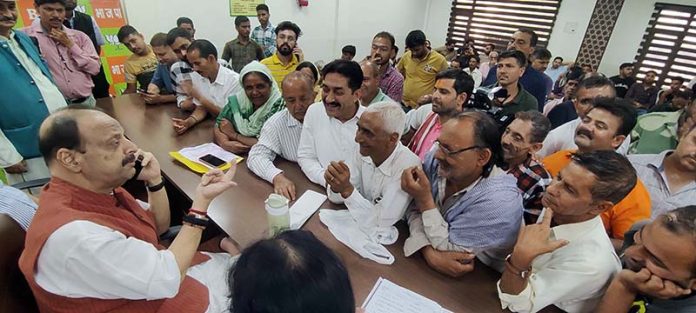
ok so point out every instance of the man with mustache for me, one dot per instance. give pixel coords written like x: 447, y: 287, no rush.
x: 567, y: 259
x: 452, y: 91
x: 91, y: 245
x: 23, y: 72
x: 69, y: 53
x: 281, y: 133
x: 604, y: 127
x: 371, y: 186
x: 562, y: 137
x: 329, y: 126
x: 520, y: 142
x: 464, y: 206
x: 390, y: 80
x: 210, y: 88
x: 139, y: 66
x: 288, y: 55
x: 670, y: 176
x: 658, y: 274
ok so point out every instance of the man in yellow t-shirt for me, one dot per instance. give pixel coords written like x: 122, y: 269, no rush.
x: 419, y: 66
x: 141, y: 65
x: 288, y: 55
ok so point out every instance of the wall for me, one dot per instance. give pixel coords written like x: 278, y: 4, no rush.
x: 327, y: 25
x: 569, y: 29
x: 628, y: 32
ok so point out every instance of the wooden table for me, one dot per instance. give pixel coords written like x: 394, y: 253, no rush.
x: 149, y: 126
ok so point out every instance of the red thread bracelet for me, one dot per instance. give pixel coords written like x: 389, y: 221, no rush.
x: 192, y: 210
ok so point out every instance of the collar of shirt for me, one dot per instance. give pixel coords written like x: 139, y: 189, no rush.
x: 387, y: 167
x: 292, y: 121
x: 360, y: 111
x: 221, y: 79
x: 12, y: 36
x: 389, y: 71
x: 268, y: 26
x: 573, y: 231
x: 276, y: 60
x: 658, y: 164
x: 441, y: 187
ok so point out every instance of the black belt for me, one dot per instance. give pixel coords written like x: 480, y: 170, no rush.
x: 78, y: 100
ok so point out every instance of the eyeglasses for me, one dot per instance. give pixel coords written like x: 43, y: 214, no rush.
x: 451, y: 153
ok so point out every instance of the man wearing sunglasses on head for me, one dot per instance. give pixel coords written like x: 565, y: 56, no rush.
x: 464, y: 206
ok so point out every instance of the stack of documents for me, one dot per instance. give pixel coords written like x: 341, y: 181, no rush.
x: 190, y: 157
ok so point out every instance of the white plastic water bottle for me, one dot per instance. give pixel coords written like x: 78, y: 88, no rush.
x: 278, y: 214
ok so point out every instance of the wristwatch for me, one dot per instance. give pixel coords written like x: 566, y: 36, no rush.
x: 522, y: 273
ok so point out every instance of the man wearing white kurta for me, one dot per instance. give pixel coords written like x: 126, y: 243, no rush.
x: 570, y: 264
x: 329, y: 126
x: 371, y: 186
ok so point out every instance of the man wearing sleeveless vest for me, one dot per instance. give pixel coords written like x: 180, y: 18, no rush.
x: 92, y: 248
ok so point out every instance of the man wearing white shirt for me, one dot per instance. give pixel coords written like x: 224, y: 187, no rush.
x: 329, y: 126
x: 371, y: 186
x: 562, y: 137
x: 281, y: 133
x: 474, y: 71
x: 570, y: 264
x: 92, y: 247
x: 211, y: 87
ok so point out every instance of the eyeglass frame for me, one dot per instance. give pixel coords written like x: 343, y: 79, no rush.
x: 453, y: 153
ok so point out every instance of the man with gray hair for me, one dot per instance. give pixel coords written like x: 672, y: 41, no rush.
x: 371, y: 186
x: 371, y: 93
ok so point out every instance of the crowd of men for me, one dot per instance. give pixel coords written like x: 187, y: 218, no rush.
x: 578, y: 188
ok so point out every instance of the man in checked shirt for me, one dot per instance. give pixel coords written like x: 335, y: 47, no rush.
x: 521, y: 140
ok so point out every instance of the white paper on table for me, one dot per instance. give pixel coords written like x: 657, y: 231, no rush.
x: 195, y: 153
x: 304, y: 207
x: 300, y: 211
x: 388, y: 297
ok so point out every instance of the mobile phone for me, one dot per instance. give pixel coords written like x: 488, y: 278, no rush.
x: 143, y: 91
x: 212, y: 160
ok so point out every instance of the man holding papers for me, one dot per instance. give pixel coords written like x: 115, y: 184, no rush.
x: 371, y: 185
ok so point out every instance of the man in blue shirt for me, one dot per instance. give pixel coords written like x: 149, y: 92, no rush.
x: 26, y: 75
x: 524, y: 40
x: 463, y: 204
x: 161, y: 89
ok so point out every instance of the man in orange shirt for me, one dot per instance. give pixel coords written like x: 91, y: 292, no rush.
x: 605, y: 127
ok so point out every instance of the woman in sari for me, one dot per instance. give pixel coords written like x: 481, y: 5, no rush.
x: 239, y: 124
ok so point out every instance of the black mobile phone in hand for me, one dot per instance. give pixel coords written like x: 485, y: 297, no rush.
x: 212, y: 160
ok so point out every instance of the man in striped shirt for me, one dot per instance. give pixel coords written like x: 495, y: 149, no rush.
x: 17, y: 205
x: 280, y: 135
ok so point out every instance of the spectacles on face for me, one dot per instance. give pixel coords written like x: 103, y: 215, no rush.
x: 452, y: 153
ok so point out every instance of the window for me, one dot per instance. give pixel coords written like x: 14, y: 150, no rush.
x: 669, y: 44
x: 494, y: 21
